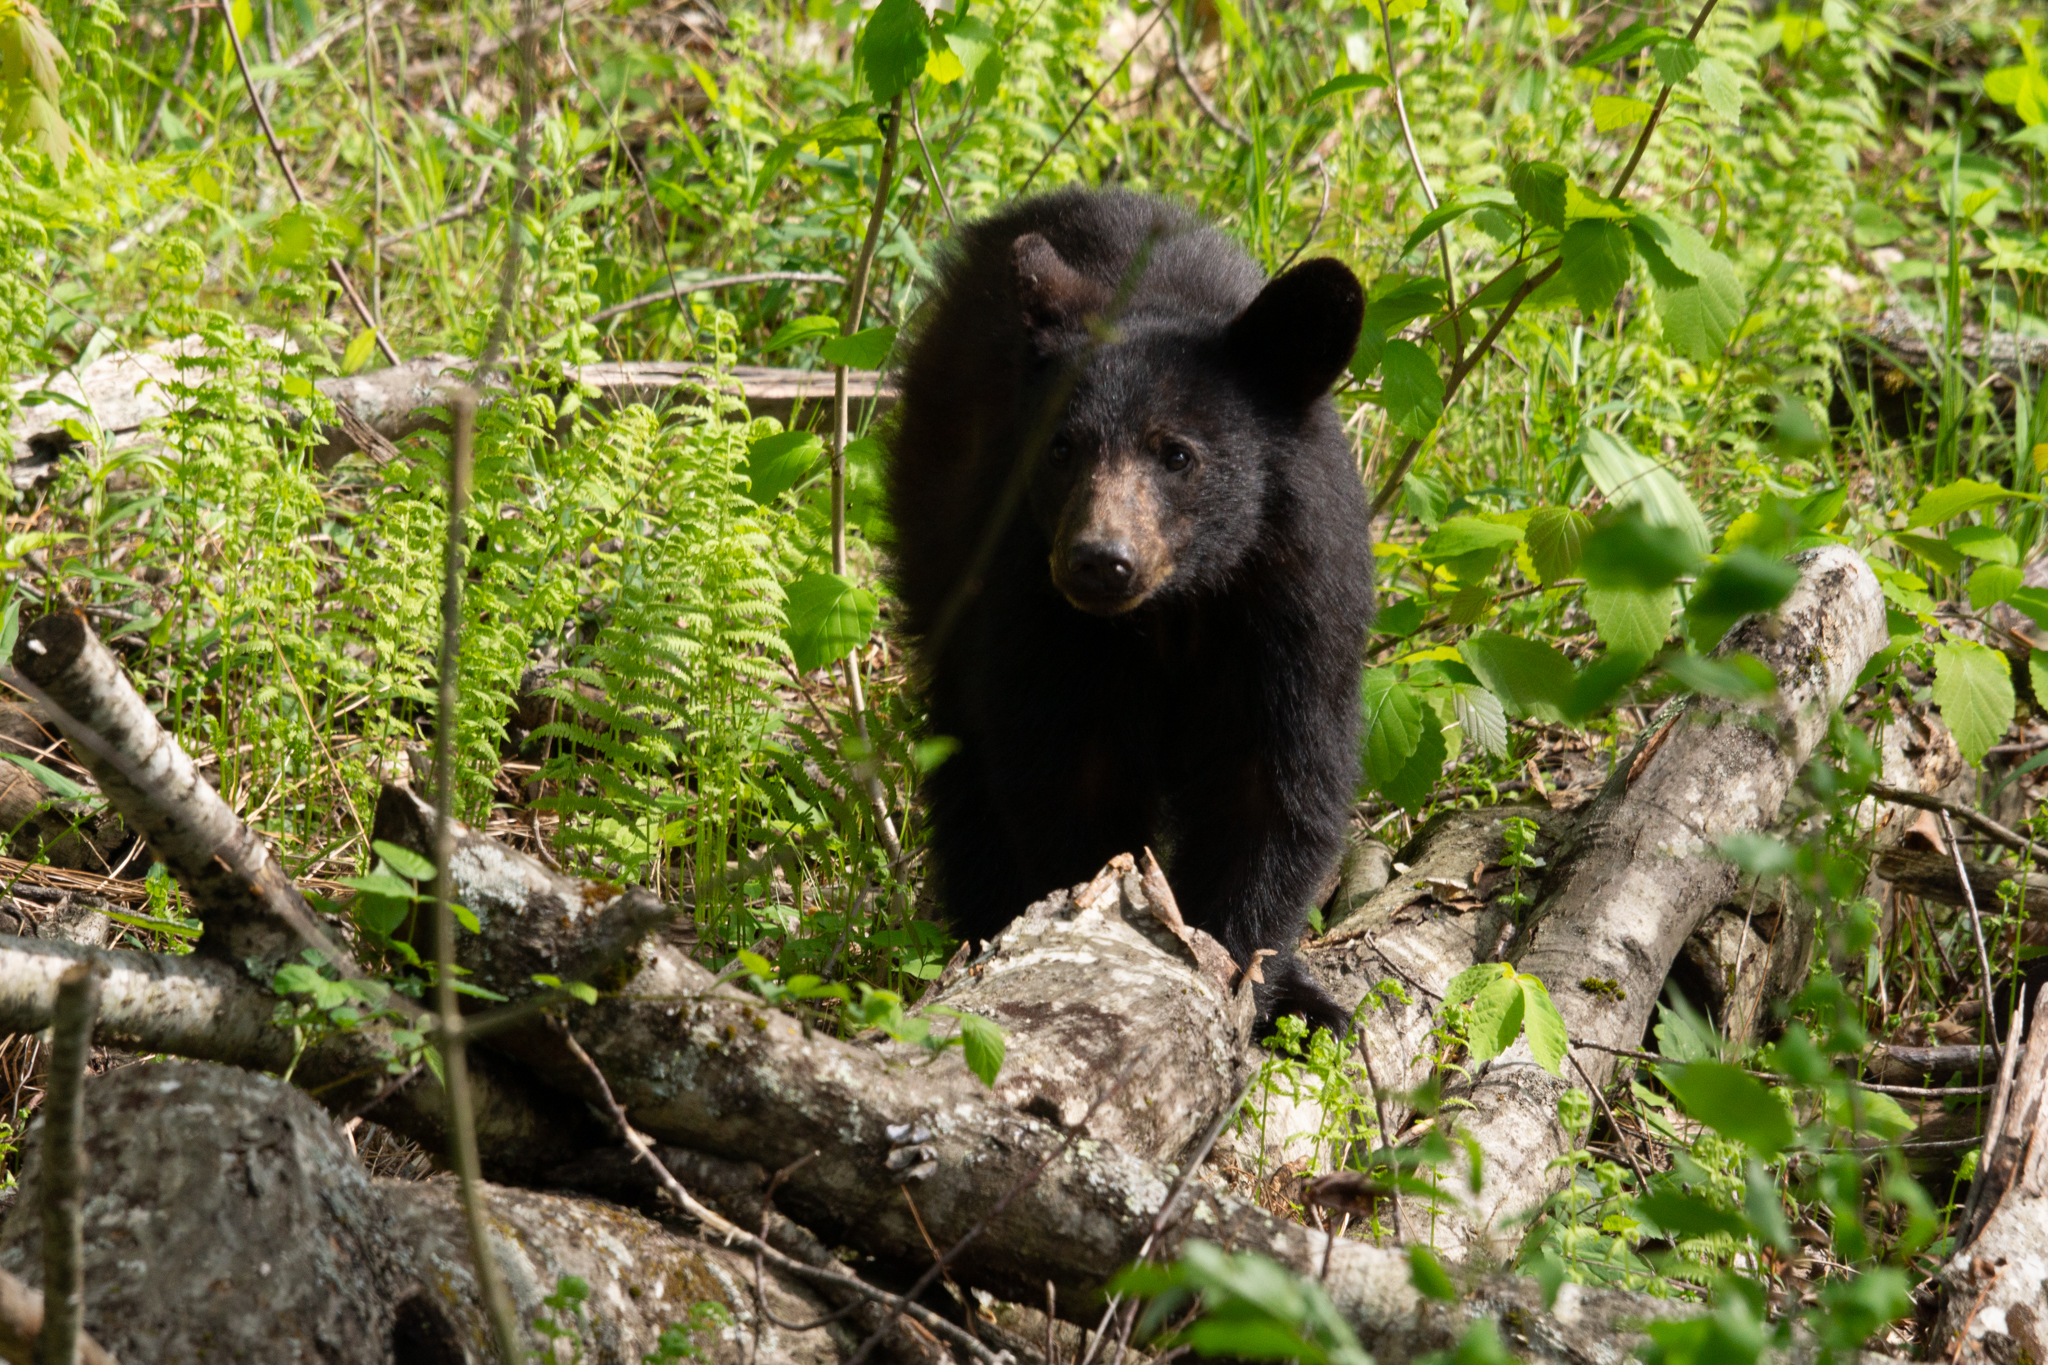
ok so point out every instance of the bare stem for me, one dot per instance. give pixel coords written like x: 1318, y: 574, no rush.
x: 1443, y: 237
x: 334, y: 268
x: 454, y: 1047
x: 64, y: 1165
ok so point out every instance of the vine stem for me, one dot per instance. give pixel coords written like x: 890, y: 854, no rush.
x: 454, y: 1044
x: 334, y: 268
x: 856, y: 305
x: 1462, y: 369
x: 1443, y: 236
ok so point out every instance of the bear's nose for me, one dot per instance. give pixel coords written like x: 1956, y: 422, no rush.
x: 1102, y: 569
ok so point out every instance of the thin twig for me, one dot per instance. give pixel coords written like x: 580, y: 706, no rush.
x: 176, y: 83
x: 1195, y: 92
x: 931, y: 169
x: 1663, y: 98
x: 1955, y: 852
x: 856, y: 304
x: 335, y: 268
x: 1443, y: 235
x: 721, y: 282
x: 1322, y: 211
x: 1379, y: 1100
x: 465, y: 209
x: 454, y: 1048
x: 1089, y: 103
x: 1620, y: 1139
x: 733, y: 1232
x: 63, y: 1165
x: 1905, y: 796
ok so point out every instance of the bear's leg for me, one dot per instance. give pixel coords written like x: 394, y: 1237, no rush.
x: 972, y: 855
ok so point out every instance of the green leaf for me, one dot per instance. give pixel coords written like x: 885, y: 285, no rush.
x: 1398, y: 299
x: 1732, y: 1103
x: 60, y: 786
x: 1431, y: 221
x: 1428, y: 1276
x: 403, y: 861
x: 1595, y: 257
x: 1973, y: 688
x: 1687, y: 1215
x: 971, y: 40
x: 1984, y: 542
x: 1719, y: 88
x: 828, y: 618
x: 2037, y: 676
x: 981, y: 1041
x: 1629, y: 41
x: 1539, y: 187
x: 1938, y: 553
x: 1345, y: 85
x: 1601, y: 682
x: 1556, y: 538
x: 1630, y: 479
x: 1618, y: 111
x: 1868, y: 1111
x: 1631, y: 553
x: 1410, y: 787
x: 864, y: 350
x: 1496, y: 1019
x: 1632, y: 620
x: 1951, y: 500
x: 800, y: 329
x: 380, y: 884
x: 1410, y: 388
x: 1473, y: 980
x: 1738, y: 678
x: 358, y: 351
x: 1531, y: 678
x: 1992, y: 583
x: 1699, y: 297
x: 1482, y: 718
x: 1391, y: 716
x: 776, y: 463
x: 2033, y: 602
x: 1548, y: 1041
x: 1676, y: 59
x: 1463, y: 535
x: 893, y: 47
x: 1745, y: 580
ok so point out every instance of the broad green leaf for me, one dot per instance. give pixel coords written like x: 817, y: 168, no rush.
x: 1474, y: 979
x: 1496, y: 1019
x: 1699, y: 297
x: 1411, y: 388
x: 2037, y: 675
x: 1418, y: 777
x: 2033, y: 602
x: 1595, y: 256
x: 1631, y: 552
x: 1676, y: 59
x: 1618, y: 111
x: 1426, y: 1275
x: 1992, y: 583
x: 1556, y: 537
x: 358, y: 351
x: 1531, y: 678
x: 1629, y: 41
x: 756, y: 964
x: 799, y: 330
x: 1733, y: 1104
x: 1548, y: 1041
x: 1601, y: 682
x: 776, y: 463
x: 1399, y: 618
x: 404, y: 861
x: 892, y: 47
x: 828, y: 618
x: 1745, y: 580
x: 981, y: 1041
x: 1398, y: 299
x: 1431, y: 221
x: 942, y: 67
x: 1539, y: 187
x: 971, y: 40
x: 1688, y: 1215
x: 1345, y: 85
x: 1973, y: 688
x: 1984, y: 542
x: 1719, y: 88
x: 1482, y: 718
x: 1738, y: 678
x: 1632, y: 620
x: 1629, y: 478
x: 1463, y: 535
x: 1939, y: 553
x: 1391, y: 715
x: 864, y: 350
x: 1951, y: 500
x: 379, y: 884
x: 1868, y: 1111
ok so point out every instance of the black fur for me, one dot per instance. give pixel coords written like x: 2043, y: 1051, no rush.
x: 1161, y: 644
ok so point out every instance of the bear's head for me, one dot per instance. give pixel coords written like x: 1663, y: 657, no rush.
x: 1166, y: 423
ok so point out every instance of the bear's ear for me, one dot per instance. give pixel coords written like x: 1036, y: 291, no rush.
x: 1298, y: 335
x: 1055, y: 296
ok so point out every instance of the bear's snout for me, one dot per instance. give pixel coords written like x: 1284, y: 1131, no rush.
x: 1112, y: 551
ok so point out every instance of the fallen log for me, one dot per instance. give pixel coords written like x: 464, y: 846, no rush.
x: 1933, y: 876
x: 1632, y: 876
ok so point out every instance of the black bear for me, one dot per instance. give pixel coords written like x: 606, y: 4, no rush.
x: 1134, y: 556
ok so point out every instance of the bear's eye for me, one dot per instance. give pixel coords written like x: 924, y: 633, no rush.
x: 1175, y: 456
x: 1062, y: 448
